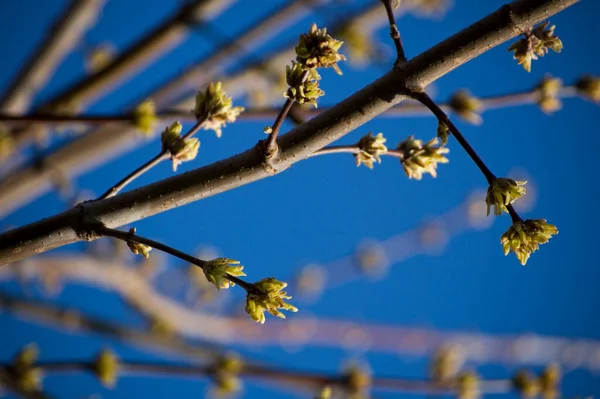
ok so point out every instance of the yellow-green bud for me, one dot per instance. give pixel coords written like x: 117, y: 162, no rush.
x: 371, y: 148
x: 217, y: 270
x: 106, y: 367
x: 589, y: 86
x: 266, y: 295
x: 317, y: 49
x: 180, y: 150
x: 466, y: 106
x: 547, y: 92
x: 525, y: 237
x: 418, y: 159
x: 502, y: 192
x: 137, y: 248
x: 215, y: 108
x: 144, y: 117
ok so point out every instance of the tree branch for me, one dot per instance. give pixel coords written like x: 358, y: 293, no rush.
x: 60, y: 40
x: 298, y: 144
x: 405, y: 109
x: 443, y: 118
x: 162, y: 156
x: 127, y: 236
x: 394, y: 32
x: 164, y: 37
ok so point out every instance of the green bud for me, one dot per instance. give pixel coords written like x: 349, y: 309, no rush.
x: 144, y: 117
x: 371, y: 148
x: 180, y: 150
x: 587, y: 86
x: 467, y: 385
x: 317, y: 49
x: 526, y: 384
x: 502, y: 192
x: 266, y: 295
x: 302, y: 90
x: 525, y: 237
x: 215, y: 107
x: 226, y: 378
x: 358, y: 381
x: 27, y: 375
x: 547, y: 92
x: 137, y: 248
x: 466, y: 106
x: 418, y: 159
x: 216, y: 271
x: 106, y: 367
x: 445, y: 364
x: 443, y: 133
x: 535, y: 43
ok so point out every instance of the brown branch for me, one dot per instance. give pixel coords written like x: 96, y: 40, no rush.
x: 271, y: 142
x: 394, y: 32
x: 60, y: 39
x: 163, y: 155
x: 127, y: 236
x: 443, y: 118
x: 298, y: 144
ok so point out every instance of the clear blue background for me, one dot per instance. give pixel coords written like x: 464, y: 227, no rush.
x: 326, y: 206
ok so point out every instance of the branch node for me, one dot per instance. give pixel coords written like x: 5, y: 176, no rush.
x: 87, y: 228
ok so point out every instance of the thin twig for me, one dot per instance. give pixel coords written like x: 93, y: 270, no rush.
x: 127, y: 236
x: 353, y: 149
x: 162, y: 156
x: 271, y: 142
x: 394, y: 32
x: 443, y: 118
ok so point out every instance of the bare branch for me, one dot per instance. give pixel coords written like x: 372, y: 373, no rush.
x: 394, y: 32
x: 166, y: 36
x: 163, y: 155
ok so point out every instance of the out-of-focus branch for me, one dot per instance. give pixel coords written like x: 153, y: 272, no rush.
x: 299, y: 331
x: 301, y: 379
x: 166, y: 36
x: 404, y: 109
x: 60, y: 39
x: 9, y: 382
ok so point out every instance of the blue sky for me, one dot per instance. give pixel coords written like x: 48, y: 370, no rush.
x: 326, y: 206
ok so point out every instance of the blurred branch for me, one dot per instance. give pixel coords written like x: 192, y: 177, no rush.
x: 404, y: 109
x: 9, y: 382
x: 299, y: 143
x: 300, y: 378
x: 151, y: 46
x: 60, y: 39
x: 296, y: 331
